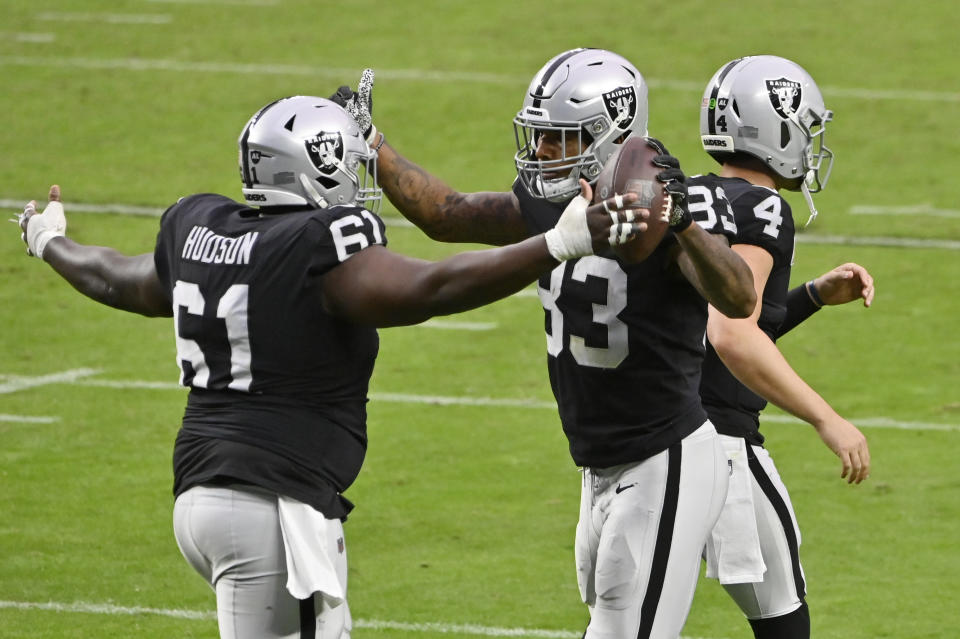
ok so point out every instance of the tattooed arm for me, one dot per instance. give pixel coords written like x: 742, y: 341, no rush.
x: 444, y: 214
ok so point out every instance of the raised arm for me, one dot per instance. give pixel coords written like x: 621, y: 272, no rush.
x: 442, y: 213
x: 757, y: 362
x: 129, y: 283
x: 439, y: 211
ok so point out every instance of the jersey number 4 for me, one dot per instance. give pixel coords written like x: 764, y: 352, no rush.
x: 232, y: 308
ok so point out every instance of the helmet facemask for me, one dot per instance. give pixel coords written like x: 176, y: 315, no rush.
x: 558, y: 179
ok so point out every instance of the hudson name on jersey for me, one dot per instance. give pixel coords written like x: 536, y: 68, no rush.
x: 278, y: 387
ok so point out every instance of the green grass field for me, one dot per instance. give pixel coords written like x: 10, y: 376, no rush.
x: 466, y: 511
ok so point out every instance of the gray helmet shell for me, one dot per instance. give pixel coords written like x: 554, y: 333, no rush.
x: 594, y: 95
x: 771, y: 108
x: 305, y: 150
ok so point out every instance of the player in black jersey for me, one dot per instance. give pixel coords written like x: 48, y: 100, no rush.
x: 275, y: 310
x: 763, y: 119
x: 624, y: 339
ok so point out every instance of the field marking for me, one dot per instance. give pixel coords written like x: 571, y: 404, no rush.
x: 399, y: 222
x: 27, y: 419
x: 448, y: 400
x: 370, y: 624
x: 107, y: 18
x: 160, y: 64
x: 890, y: 242
x: 14, y: 383
x: 238, y: 3
x: 918, y: 209
x: 34, y: 38
x: 869, y: 422
x: 458, y: 326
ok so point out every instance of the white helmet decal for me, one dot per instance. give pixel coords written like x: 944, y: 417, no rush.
x: 621, y: 106
x: 785, y: 96
x: 325, y: 150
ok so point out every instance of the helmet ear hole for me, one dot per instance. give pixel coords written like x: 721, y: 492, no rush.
x: 784, y: 135
x: 327, y: 183
x: 736, y: 109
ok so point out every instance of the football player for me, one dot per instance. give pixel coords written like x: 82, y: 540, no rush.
x: 274, y: 304
x: 624, y: 337
x: 763, y: 119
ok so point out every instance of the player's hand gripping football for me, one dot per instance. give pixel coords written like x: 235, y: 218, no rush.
x: 674, y: 183
x: 359, y: 104
x: 37, y: 229
x: 584, y: 229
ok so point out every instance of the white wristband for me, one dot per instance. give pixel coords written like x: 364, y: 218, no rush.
x: 571, y: 236
x: 44, y: 227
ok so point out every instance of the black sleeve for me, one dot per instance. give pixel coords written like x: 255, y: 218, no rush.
x: 800, y: 306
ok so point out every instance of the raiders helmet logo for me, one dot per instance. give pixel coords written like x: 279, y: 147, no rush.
x: 325, y: 150
x: 784, y: 96
x: 621, y: 105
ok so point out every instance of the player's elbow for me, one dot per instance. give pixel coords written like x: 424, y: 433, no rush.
x: 727, y: 337
x: 739, y: 303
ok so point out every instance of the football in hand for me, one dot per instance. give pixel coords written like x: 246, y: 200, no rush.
x: 631, y: 169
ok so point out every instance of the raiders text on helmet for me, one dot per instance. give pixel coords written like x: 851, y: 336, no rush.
x: 306, y: 151
x: 594, y: 96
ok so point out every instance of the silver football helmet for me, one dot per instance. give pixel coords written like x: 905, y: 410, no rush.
x: 591, y: 95
x: 771, y: 108
x: 308, y: 151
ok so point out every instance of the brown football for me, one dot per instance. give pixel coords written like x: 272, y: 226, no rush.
x: 631, y: 169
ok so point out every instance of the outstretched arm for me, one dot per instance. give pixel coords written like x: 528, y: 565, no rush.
x: 444, y: 214
x: 757, y: 362
x: 381, y: 288
x: 846, y: 283
x: 101, y: 273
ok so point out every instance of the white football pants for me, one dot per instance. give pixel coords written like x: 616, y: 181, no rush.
x: 640, y: 536
x: 231, y: 535
x: 783, y: 587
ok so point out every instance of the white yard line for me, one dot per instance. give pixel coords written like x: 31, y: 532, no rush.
x: 918, y: 209
x: 458, y: 326
x: 33, y: 38
x: 236, y: 3
x: 27, y: 419
x: 160, y: 64
x: 14, y: 383
x: 105, y: 18
x: 371, y: 624
x: 440, y: 400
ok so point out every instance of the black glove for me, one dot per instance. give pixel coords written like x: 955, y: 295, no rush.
x: 343, y: 96
x: 359, y: 104
x: 674, y: 183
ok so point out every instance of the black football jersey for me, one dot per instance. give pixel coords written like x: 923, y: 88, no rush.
x: 278, y: 387
x: 625, y: 343
x: 763, y: 219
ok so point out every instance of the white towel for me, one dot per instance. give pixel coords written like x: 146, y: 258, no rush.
x: 733, y: 548
x: 306, y: 539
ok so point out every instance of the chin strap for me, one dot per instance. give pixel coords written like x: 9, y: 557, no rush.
x: 809, y: 198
